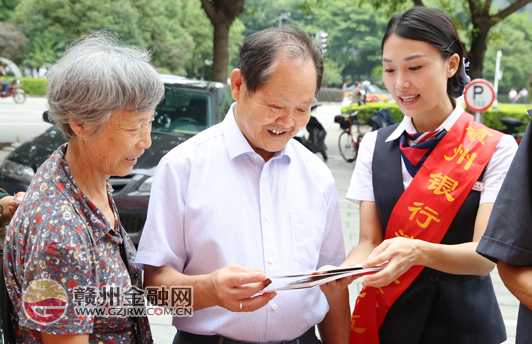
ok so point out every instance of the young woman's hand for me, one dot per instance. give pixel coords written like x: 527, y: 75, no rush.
x: 400, y: 253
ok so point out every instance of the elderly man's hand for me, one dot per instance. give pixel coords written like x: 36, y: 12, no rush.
x: 234, y: 285
x: 336, y: 285
x: 10, y: 205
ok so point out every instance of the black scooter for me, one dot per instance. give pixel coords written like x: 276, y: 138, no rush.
x: 511, y: 124
x: 315, y: 138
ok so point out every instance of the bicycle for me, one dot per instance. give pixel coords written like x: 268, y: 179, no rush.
x: 348, y: 144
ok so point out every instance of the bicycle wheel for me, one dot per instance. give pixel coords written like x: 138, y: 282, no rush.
x: 347, y: 146
x: 19, y: 97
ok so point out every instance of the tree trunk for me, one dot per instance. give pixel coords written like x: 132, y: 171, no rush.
x: 220, y: 51
x: 221, y: 13
x: 478, y: 49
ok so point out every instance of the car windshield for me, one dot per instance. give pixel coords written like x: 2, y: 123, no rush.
x: 183, y: 111
x: 374, y: 89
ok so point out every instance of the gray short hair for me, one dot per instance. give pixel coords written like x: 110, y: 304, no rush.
x: 260, y: 49
x: 98, y: 76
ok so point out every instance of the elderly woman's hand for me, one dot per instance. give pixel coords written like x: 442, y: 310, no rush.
x: 10, y: 205
x: 336, y: 285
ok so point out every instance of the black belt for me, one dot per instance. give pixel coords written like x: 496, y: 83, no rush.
x: 308, y: 337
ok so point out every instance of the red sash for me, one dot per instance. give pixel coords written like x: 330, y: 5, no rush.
x: 426, y: 210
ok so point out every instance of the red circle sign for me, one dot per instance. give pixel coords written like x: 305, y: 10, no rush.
x: 479, y: 95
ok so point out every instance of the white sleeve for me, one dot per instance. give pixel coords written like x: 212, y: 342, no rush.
x: 361, y: 186
x: 163, y: 239
x: 497, y: 168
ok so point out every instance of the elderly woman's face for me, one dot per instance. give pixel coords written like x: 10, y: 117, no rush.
x: 121, y: 141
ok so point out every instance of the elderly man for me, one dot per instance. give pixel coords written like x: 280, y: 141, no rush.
x: 242, y: 201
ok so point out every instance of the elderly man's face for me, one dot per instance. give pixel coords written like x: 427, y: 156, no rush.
x: 114, y: 151
x: 279, y: 109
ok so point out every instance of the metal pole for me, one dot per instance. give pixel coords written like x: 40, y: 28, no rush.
x: 477, y: 117
x: 497, y: 74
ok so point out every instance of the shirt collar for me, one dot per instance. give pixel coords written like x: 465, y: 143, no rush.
x: 94, y: 219
x: 236, y: 142
x: 407, y: 125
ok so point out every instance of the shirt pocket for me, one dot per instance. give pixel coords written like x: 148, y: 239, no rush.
x: 307, y: 235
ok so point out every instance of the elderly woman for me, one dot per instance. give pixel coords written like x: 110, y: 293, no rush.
x: 66, y: 249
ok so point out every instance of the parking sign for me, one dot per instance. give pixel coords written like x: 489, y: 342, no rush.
x: 479, y: 95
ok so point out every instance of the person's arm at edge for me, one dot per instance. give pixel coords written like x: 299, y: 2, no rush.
x: 224, y: 287
x: 518, y: 280
x: 48, y: 338
x: 335, y: 327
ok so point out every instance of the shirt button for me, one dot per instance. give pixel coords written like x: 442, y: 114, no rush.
x: 267, y: 217
x: 263, y: 177
x: 274, y: 306
x: 254, y: 157
x: 270, y: 261
x: 434, y: 279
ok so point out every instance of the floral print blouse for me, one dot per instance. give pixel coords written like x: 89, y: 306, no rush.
x: 59, y: 246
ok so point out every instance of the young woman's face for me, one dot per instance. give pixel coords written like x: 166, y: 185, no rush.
x: 416, y: 75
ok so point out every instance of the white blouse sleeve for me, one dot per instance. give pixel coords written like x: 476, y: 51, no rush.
x: 497, y: 168
x: 361, y: 186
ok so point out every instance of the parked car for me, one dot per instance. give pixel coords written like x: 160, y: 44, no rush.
x: 189, y: 106
x: 373, y: 92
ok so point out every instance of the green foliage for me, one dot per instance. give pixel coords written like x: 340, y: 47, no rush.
x: 365, y: 111
x: 331, y: 73
x: 7, y: 8
x: 514, y: 39
x: 490, y: 116
x: 151, y: 24
x: 355, y: 31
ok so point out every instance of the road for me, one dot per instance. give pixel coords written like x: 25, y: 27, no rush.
x: 19, y: 123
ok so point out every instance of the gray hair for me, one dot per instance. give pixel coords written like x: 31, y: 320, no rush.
x: 98, y: 76
x: 259, y: 50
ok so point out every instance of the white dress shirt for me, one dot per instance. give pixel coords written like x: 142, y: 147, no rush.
x: 361, y: 187
x: 215, y: 202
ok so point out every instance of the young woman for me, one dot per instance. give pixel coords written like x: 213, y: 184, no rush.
x: 426, y: 187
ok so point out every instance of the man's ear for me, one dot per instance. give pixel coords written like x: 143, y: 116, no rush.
x: 452, y: 65
x: 80, y: 129
x: 237, y: 83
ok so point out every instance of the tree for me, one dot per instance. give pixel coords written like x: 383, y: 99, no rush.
x: 331, y: 73
x: 151, y: 24
x: 514, y: 39
x: 7, y: 8
x: 354, y: 32
x: 482, y: 16
x: 198, y: 26
x: 12, y: 41
x: 221, y: 13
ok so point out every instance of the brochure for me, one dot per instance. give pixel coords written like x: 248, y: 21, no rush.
x: 315, y: 278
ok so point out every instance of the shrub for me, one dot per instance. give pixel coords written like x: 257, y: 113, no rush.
x: 365, y: 111
x: 34, y: 86
x: 327, y: 94
x: 490, y: 116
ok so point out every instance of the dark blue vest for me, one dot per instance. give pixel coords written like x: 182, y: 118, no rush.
x: 437, y: 307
